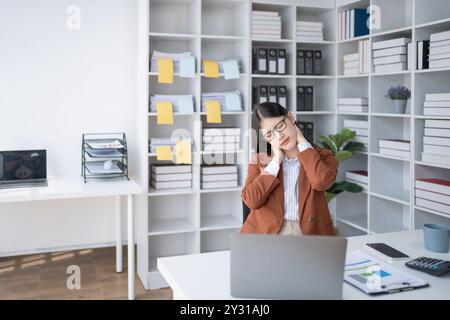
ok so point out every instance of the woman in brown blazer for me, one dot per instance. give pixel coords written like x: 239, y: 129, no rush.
x: 285, y: 187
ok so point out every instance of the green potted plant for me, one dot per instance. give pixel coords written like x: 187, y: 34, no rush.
x: 343, y: 147
x: 399, y: 96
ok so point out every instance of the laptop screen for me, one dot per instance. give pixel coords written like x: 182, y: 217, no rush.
x: 23, y: 165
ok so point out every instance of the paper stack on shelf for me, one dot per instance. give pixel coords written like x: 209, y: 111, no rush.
x: 352, y: 23
x: 229, y: 101
x: 358, y: 62
x: 434, y: 194
x: 181, y: 61
x: 436, y: 141
x: 437, y: 104
x: 360, y: 177
x: 351, y: 64
x: 219, y: 176
x: 394, y: 147
x: 266, y: 24
x: 165, y: 142
x: 353, y: 104
x: 390, y: 55
x: 167, y: 176
x: 309, y: 31
x: 439, y: 50
x: 221, y: 139
x: 361, y: 127
x: 180, y: 103
x: 223, y: 65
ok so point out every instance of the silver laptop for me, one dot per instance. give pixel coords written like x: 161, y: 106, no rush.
x: 23, y: 168
x: 287, y: 267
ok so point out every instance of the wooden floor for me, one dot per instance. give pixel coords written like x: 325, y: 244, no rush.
x: 43, y: 276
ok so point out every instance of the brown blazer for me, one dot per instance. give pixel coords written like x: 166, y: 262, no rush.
x: 264, y: 194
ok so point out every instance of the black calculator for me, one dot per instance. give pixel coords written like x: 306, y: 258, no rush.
x: 435, y: 267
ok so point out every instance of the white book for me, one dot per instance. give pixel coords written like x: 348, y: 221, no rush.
x: 266, y: 27
x: 266, y: 19
x: 433, y: 196
x: 397, y: 144
x: 437, y: 97
x: 439, y: 50
x: 343, y: 25
x: 266, y: 23
x: 171, y: 184
x: 390, y: 59
x: 431, y: 123
x: 368, y: 65
x: 394, y: 153
x: 221, y: 131
x: 443, y: 133
x: 347, y: 24
x: 361, y: 58
x: 432, y: 149
x: 437, y: 104
x: 351, y: 71
x: 309, y: 33
x: 436, y: 111
x: 363, y: 124
x: 310, y: 24
x: 444, y: 63
x: 434, y: 185
x: 164, y: 169
x: 352, y: 108
x: 439, y: 43
x: 361, y: 139
x: 433, y: 205
x: 309, y: 29
x: 360, y: 132
x: 393, y: 67
x: 265, y: 13
x: 357, y: 175
x: 439, y: 56
x: 351, y: 57
x: 219, y: 184
x: 435, y: 158
x: 219, y: 177
x: 410, y: 56
x: 436, y: 141
x: 218, y: 169
x: 352, y: 23
x: 172, y: 177
x: 390, y: 43
x: 440, y: 36
x: 389, y: 52
x: 354, y: 101
x: 351, y: 64
x: 265, y: 32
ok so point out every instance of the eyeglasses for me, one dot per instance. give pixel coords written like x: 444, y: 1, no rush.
x: 279, y: 127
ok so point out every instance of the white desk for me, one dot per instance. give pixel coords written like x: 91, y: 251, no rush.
x: 72, y: 188
x: 207, y: 275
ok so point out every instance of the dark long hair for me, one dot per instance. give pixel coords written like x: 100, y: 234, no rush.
x: 263, y: 111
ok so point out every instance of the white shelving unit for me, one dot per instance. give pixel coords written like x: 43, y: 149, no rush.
x: 177, y: 222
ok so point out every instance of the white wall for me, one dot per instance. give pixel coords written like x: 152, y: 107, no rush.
x: 55, y: 84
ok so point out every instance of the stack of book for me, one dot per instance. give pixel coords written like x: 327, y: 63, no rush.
x: 360, y: 177
x: 353, y: 104
x: 221, y: 139
x: 309, y: 31
x: 163, y: 142
x: 266, y: 24
x: 178, y: 59
x: 439, y: 50
x: 436, y: 141
x: 361, y: 127
x: 390, y: 55
x: 433, y: 194
x: 394, y: 147
x: 229, y: 101
x: 168, y: 176
x: 182, y: 103
x: 353, y: 23
x: 437, y: 104
x: 219, y: 176
x: 359, y: 62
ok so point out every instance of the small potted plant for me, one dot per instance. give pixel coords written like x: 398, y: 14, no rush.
x: 399, y: 96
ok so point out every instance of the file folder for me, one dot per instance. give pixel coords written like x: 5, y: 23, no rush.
x: 273, y: 94
x: 318, y: 62
x: 300, y: 98
x: 273, y: 60
x: 282, y: 96
x: 281, y: 61
x: 309, y: 63
x: 262, y: 60
x: 263, y: 94
x: 300, y: 62
x: 309, y: 98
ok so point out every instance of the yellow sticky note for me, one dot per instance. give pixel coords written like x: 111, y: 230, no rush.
x: 211, y: 68
x: 183, y: 152
x: 165, y: 70
x: 164, y: 153
x: 164, y: 111
x: 213, y: 114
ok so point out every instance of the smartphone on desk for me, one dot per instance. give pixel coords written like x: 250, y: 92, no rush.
x: 387, y: 251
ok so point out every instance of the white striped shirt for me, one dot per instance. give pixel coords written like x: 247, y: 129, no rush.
x: 291, y: 174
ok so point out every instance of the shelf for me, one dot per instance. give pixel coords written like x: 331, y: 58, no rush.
x: 435, y: 165
x: 432, y: 70
x: 305, y: 76
x: 269, y: 41
x: 432, y: 117
x: 272, y: 76
x: 352, y: 113
x: 221, y: 76
x: 437, y: 23
x: 170, y: 226
x: 399, y: 32
x: 355, y: 223
x: 381, y: 74
x: 167, y: 192
x: 437, y: 213
x: 353, y: 39
x: 219, y: 223
x: 398, y: 197
x: 222, y: 38
x: 363, y: 75
x: 379, y: 155
x: 220, y: 190
x: 324, y: 42
x: 172, y: 36
x: 392, y: 115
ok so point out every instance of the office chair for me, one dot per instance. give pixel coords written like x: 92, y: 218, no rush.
x: 245, y: 212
